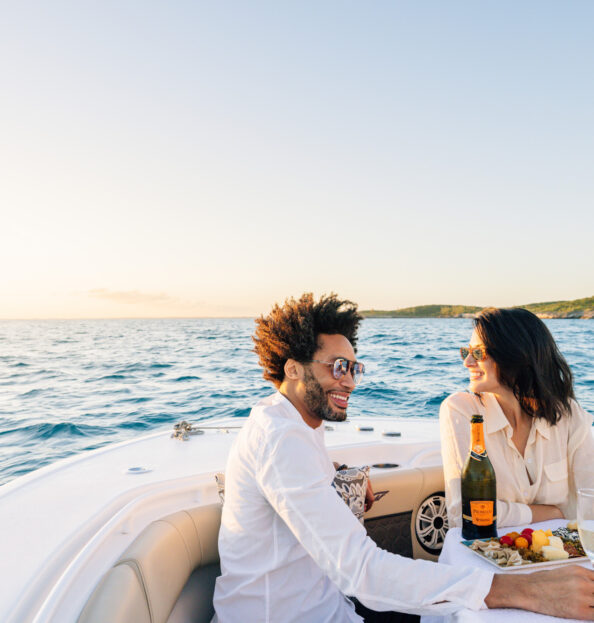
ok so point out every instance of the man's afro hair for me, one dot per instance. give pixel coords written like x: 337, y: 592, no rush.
x: 291, y: 331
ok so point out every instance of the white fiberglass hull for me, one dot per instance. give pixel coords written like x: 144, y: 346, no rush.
x: 63, y: 526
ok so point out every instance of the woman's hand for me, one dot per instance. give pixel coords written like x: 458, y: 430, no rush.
x: 542, y: 512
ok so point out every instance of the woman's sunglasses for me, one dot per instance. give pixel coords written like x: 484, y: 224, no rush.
x: 479, y: 353
x: 341, y: 367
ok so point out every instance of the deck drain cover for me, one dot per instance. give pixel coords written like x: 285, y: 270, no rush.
x: 138, y: 469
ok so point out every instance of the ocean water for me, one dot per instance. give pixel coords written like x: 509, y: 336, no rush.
x: 73, y: 385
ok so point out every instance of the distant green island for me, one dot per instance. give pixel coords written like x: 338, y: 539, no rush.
x: 579, y: 308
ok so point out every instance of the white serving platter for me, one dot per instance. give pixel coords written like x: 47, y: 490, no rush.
x: 525, y: 563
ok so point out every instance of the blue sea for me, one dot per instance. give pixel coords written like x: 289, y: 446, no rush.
x: 67, y: 386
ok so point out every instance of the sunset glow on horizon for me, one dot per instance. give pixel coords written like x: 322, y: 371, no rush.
x: 199, y: 160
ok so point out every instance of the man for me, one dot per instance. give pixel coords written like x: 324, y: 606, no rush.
x: 290, y: 548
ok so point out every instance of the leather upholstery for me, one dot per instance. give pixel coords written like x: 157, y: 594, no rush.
x: 147, y: 580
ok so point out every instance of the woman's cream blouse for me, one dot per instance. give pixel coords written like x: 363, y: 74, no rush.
x: 557, y: 460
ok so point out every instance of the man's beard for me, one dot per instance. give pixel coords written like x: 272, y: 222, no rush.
x: 317, y: 401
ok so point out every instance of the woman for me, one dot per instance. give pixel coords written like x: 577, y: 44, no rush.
x: 538, y: 438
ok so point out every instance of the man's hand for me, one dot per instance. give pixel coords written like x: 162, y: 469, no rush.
x: 369, y: 496
x: 567, y: 593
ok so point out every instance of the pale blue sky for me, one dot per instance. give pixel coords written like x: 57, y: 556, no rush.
x: 191, y: 158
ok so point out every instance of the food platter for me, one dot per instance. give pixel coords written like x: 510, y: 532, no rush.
x: 524, y: 564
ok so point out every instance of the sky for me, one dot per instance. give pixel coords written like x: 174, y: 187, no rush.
x: 165, y: 159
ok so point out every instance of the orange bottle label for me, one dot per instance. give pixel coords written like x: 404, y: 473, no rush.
x: 482, y: 513
x: 477, y: 438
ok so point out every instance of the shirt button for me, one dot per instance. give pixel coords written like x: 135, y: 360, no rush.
x: 528, y: 460
x: 525, y: 494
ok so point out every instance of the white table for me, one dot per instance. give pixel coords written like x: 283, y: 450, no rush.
x: 454, y: 553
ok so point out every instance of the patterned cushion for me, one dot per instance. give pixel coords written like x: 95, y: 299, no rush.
x: 351, y: 485
x: 220, y: 480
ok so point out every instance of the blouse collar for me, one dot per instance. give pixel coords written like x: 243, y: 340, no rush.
x: 497, y: 420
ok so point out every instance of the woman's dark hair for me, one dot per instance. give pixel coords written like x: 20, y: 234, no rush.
x: 292, y: 331
x: 528, y: 361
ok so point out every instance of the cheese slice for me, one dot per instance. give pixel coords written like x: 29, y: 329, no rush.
x: 550, y: 552
x: 555, y: 541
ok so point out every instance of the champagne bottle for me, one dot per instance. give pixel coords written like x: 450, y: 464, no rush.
x: 479, y: 491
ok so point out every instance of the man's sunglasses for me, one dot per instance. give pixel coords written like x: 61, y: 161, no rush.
x: 341, y: 367
x: 479, y: 353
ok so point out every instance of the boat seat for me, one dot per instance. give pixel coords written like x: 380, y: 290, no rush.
x: 167, y: 574
x: 145, y: 583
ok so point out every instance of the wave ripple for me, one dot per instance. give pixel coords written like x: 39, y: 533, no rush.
x: 114, y: 379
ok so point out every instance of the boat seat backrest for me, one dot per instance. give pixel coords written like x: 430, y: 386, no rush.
x: 145, y: 583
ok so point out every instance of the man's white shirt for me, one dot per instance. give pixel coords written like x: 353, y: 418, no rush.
x: 291, y: 549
